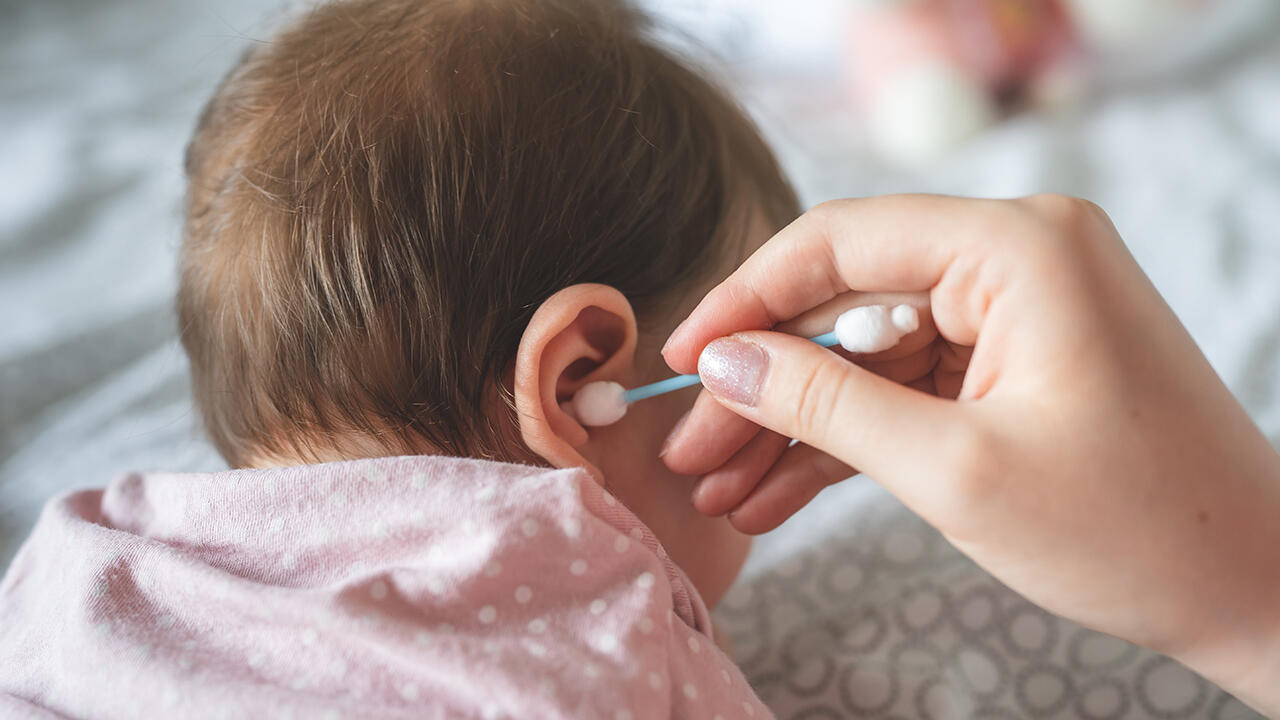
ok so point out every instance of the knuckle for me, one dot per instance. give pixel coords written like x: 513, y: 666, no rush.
x: 823, y: 386
x: 1062, y: 228
x: 1063, y: 216
x: 825, y: 215
x: 827, y: 208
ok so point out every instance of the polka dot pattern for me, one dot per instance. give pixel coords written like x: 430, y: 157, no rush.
x: 552, y: 602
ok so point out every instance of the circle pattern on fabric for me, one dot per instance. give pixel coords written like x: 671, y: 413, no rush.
x: 879, y: 617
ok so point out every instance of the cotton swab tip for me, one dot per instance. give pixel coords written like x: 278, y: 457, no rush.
x: 906, y: 318
x: 873, y: 328
x: 599, y: 403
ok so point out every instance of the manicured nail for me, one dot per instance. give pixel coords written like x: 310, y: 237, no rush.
x: 666, y: 444
x: 734, y: 370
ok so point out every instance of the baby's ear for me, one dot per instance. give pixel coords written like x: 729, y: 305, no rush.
x: 579, y: 335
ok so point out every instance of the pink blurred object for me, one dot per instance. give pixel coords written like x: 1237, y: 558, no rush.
x: 930, y: 73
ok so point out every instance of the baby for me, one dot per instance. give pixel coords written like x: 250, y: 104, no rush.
x: 414, y: 229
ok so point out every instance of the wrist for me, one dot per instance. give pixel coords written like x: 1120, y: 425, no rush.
x: 1250, y: 671
x: 1236, y: 641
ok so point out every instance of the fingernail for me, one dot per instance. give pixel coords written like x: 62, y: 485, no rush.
x: 734, y: 370
x: 666, y: 444
x: 674, y: 333
x: 699, y: 490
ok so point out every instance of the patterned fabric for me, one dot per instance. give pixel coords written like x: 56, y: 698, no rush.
x: 877, y: 616
x: 397, y: 587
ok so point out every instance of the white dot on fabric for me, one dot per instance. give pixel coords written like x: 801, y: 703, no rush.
x: 645, y: 580
x: 644, y: 625
x: 607, y: 643
x: 609, y: 499
x: 725, y: 675
x: 529, y: 527
x: 690, y: 691
x: 694, y: 645
x: 748, y: 709
x: 578, y: 567
x: 171, y: 697
x: 409, y: 692
x: 537, y: 626
x: 423, y: 637
x: 536, y: 649
x: 621, y: 544
x: 523, y: 594
x: 572, y: 527
x: 487, y: 614
x: 435, y: 586
x: 378, y: 590
x: 309, y: 636
x: 257, y: 660
x: 591, y: 671
x: 493, y: 568
x: 597, y: 606
x: 486, y: 493
x: 655, y: 680
x: 636, y: 534
x: 491, y: 647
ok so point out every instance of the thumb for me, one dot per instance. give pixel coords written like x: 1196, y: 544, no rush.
x: 804, y: 391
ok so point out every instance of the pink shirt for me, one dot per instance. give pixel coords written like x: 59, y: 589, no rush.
x: 395, y: 587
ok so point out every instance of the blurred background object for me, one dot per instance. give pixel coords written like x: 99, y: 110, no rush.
x: 1168, y: 116
x: 924, y: 76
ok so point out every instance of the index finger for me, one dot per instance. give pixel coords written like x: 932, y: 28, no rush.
x: 892, y: 243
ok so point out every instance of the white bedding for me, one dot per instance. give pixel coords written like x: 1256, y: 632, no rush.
x: 859, y: 610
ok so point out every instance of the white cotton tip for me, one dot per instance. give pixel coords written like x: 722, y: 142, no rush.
x: 905, y: 318
x: 873, y: 328
x: 599, y: 403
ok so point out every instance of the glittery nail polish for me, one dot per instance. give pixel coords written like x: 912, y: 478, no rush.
x: 734, y: 370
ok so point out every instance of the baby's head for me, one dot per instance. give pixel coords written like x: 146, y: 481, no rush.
x: 418, y: 227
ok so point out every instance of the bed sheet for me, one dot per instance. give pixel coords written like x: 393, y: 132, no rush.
x: 859, y: 608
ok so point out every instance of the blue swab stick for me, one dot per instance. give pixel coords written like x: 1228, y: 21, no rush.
x: 679, y: 382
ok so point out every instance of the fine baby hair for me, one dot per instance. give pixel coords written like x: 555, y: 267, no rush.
x: 867, y: 329
x: 376, y: 209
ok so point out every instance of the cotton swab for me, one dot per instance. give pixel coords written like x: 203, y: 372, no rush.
x: 867, y: 329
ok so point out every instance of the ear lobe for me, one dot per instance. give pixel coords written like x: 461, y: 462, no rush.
x: 582, y: 334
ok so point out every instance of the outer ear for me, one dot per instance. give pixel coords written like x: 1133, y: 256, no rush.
x: 579, y: 335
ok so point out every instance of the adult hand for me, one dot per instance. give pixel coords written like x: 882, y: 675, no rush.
x: 1053, y: 420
